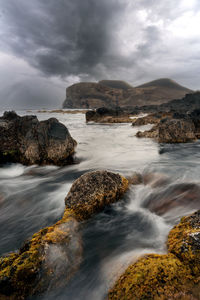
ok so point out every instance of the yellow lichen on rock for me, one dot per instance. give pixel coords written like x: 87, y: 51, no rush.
x: 21, y: 272
x: 54, y: 253
x: 151, y: 277
x: 172, y: 276
x: 184, y: 241
x: 91, y: 192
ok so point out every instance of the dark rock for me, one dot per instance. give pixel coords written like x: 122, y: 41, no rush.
x: 28, y: 141
x: 170, y: 130
x: 176, y: 131
x: 107, y: 115
x: 154, y: 118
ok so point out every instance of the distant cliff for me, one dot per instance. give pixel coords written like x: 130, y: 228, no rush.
x: 112, y: 93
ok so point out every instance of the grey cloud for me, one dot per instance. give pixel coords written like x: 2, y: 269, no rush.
x: 82, y: 38
x: 59, y: 37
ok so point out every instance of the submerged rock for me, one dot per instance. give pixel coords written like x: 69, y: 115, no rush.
x: 179, y: 195
x: 175, y: 275
x: 28, y: 141
x: 52, y: 256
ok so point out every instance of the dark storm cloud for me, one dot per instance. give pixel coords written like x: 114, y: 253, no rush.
x: 59, y: 37
x: 136, y: 40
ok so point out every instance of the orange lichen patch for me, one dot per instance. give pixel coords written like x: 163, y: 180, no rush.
x: 184, y: 242
x: 152, y: 277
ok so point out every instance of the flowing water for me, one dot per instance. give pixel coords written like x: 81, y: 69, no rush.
x: 33, y: 197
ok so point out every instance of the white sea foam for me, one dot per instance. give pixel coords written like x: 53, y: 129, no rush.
x: 13, y: 170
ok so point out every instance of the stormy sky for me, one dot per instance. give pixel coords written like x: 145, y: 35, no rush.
x: 46, y: 45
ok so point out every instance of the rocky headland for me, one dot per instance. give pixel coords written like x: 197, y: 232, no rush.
x: 113, y: 93
x: 26, y: 140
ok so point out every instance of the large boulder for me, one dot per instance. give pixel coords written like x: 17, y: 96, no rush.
x: 175, y: 275
x: 91, y: 192
x: 52, y: 256
x: 28, y: 141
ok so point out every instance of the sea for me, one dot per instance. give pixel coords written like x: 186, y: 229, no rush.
x: 32, y: 197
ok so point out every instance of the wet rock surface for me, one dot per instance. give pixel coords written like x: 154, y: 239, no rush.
x: 153, y: 118
x: 175, y: 275
x: 173, y: 127
x: 107, y: 115
x: 174, y: 196
x: 91, y: 192
x: 28, y: 141
x: 52, y: 256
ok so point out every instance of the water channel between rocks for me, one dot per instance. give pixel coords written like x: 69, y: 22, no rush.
x: 33, y: 197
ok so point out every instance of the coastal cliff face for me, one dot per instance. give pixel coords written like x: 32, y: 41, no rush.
x: 112, y: 93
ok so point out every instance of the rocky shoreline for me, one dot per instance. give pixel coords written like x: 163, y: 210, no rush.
x: 32, y: 270
x: 177, y: 121
x: 52, y: 256
x: 171, y: 127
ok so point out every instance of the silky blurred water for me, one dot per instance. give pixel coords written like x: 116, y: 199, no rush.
x: 33, y: 197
